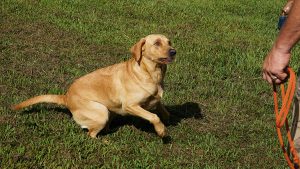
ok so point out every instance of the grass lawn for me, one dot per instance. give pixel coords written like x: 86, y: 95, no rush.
x: 222, y: 111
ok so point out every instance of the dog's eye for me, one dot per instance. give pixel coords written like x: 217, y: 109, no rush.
x: 157, y: 43
x: 169, y: 42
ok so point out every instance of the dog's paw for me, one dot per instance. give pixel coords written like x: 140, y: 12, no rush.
x: 161, y: 130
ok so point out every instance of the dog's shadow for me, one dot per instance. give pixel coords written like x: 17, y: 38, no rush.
x: 177, y: 113
x: 53, y: 108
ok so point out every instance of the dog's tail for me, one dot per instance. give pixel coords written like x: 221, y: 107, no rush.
x: 58, y: 99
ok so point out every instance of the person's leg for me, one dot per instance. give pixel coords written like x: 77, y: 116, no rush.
x: 295, y: 126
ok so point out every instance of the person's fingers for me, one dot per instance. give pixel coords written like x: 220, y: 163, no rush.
x: 279, y: 77
x: 268, y: 78
x: 264, y: 76
x: 282, y: 75
x: 277, y: 81
x: 272, y: 78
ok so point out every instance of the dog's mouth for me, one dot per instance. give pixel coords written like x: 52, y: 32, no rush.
x: 166, y: 60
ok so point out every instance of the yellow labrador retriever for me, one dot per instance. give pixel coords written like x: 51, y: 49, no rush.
x: 132, y: 87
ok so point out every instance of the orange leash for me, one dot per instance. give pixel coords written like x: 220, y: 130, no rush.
x: 281, y: 119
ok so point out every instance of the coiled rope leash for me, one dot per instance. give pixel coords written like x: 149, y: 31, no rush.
x: 281, y: 119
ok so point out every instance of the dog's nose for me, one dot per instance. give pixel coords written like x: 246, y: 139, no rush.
x: 172, y: 52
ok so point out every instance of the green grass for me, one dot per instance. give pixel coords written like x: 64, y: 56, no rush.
x: 221, y: 109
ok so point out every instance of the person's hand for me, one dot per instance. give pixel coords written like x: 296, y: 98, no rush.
x: 275, y: 66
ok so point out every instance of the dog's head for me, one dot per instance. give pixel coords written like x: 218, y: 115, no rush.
x: 154, y: 47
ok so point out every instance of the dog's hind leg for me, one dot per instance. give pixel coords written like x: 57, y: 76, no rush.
x: 92, y: 116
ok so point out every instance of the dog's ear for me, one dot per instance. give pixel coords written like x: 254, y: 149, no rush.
x: 136, y: 50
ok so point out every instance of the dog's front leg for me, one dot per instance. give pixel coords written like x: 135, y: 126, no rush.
x: 163, y: 112
x: 151, y: 117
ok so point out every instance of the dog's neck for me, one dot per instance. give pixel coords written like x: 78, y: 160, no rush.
x: 155, y: 71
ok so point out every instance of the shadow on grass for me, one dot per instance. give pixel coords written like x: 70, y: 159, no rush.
x: 177, y: 113
x: 48, y: 108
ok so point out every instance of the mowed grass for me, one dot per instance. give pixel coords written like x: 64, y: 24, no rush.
x: 221, y: 109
